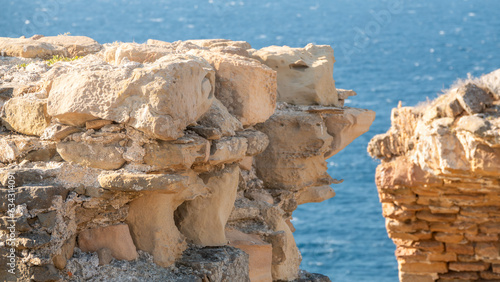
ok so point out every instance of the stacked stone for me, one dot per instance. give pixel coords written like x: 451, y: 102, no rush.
x: 142, y: 153
x: 439, y: 184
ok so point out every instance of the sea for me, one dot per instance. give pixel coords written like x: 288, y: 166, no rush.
x: 387, y: 51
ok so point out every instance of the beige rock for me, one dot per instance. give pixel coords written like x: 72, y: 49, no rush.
x: 56, y: 132
x: 135, y: 52
x: 213, y: 43
x: 346, y: 127
x: 46, y: 47
x: 116, y: 238
x: 26, y: 116
x: 473, y: 98
x: 228, y: 150
x: 140, y: 182
x: 96, y: 155
x: 66, y: 253
x: 219, y: 118
x: 160, y: 99
x: 246, y: 87
x: 315, y: 194
x: 305, y: 75
x: 259, y: 252
x: 294, y: 159
x: 286, y: 256
x: 246, y: 163
x: 97, y: 124
x: 152, y: 224
x: 17, y: 147
x: 180, y: 154
x: 257, y: 141
x: 203, y: 220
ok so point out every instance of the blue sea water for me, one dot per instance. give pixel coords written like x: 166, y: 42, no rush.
x: 387, y: 51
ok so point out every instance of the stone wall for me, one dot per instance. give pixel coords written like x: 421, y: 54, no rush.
x: 175, y: 161
x: 439, y: 184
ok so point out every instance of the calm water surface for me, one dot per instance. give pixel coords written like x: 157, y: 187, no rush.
x: 386, y: 51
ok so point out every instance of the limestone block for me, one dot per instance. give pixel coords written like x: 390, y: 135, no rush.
x: 246, y: 87
x: 305, y: 75
x: 294, y: 158
x: 116, y: 238
x: 259, y: 253
x: 219, y: 118
x: 213, y: 43
x: 223, y: 263
x: 26, y: 116
x: 56, y: 132
x: 315, y: 194
x: 152, y: 224
x: 96, y: 155
x: 180, y: 154
x: 257, y: 141
x: 66, y: 252
x: 18, y: 147
x: 346, y: 127
x: 159, y: 99
x: 46, y: 47
x: 203, y: 220
x: 140, y: 53
x: 228, y: 150
x: 141, y: 182
x: 473, y: 98
x: 286, y: 255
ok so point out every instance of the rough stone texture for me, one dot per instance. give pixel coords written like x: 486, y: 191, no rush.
x: 203, y: 220
x: 46, y: 47
x: 115, y: 238
x: 26, y: 116
x: 137, y: 161
x: 438, y: 184
x: 160, y: 99
x: 259, y: 254
x: 305, y: 75
x: 151, y: 218
x: 246, y: 87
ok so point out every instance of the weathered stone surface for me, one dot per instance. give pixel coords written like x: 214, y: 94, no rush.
x: 218, y: 264
x: 152, y: 224
x: 259, y: 253
x: 315, y: 194
x: 18, y: 147
x: 218, y: 118
x: 160, y: 99
x: 246, y: 87
x: 103, y: 156
x: 56, y: 132
x: 141, y: 53
x: 180, y: 154
x: 295, y: 156
x: 305, y: 75
x: 228, y: 150
x: 473, y: 99
x: 140, y: 182
x: 203, y: 220
x: 347, y: 126
x: 26, y: 116
x: 116, y: 238
x: 439, y: 183
x: 257, y: 141
x: 46, y: 47
x: 97, y: 124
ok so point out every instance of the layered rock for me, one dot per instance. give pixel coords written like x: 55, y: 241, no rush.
x: 161, y: 156
x: 438, y: 184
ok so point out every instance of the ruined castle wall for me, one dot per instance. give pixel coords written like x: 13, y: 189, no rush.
x: 439, y: 184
